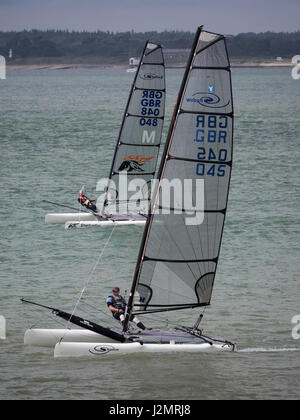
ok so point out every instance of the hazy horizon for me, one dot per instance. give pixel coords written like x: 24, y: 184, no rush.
x: 119, y: 32
x: 230, y: 17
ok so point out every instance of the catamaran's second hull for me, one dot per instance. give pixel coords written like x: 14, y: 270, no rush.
x: 115, y: 349
x: 80, y: 220
x: 61, y: 218
x: 42, y: 337
x: 105, y: 223
x: 46, y: 337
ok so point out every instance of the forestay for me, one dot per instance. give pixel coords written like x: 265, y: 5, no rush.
x: 139, y: 139
x: 179, y: 252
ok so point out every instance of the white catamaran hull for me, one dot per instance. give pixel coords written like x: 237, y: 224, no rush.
x: 61, y: 218
x: 81, y: 220
x: 50, y: 337
x: 100, y: 349
x: 104, y: 223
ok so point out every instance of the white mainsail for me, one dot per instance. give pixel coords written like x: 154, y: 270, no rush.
x: 179, y: 254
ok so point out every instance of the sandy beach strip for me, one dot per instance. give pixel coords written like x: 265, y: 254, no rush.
x: 234, y: 63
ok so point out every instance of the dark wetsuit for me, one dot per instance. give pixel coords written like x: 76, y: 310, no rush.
x: 119, y: 303
x: 89, y: 204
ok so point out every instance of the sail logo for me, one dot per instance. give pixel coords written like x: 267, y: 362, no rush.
x: 134, y: 163
x: 150, y: 76
x: 102, y: 349
x: 211, y: 88
x: 148, y: 138
x: 2, y: 67
x: 207, y: 99
x: 86, y: 323
x: 2, y: 328
x: 296, y: 69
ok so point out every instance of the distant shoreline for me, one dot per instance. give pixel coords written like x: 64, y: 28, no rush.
x: 234, y: 64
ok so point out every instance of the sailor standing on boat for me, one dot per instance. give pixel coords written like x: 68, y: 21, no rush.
x: 117, y: 305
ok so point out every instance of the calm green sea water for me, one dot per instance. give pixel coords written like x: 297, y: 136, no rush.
x: 57, y: 132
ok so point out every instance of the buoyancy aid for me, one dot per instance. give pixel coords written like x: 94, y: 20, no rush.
x: 117, y: 302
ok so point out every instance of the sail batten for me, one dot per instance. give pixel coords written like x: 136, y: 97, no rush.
x: 180, y: 249
x: 145, y: 145
x: 148, y: 116
x: 150, y: 89
x: 184, y: 261
x: 227, y: 68
x: 228, y: 114
x: 170, y: 157
x: 146, y: 173
x: 191, y: 210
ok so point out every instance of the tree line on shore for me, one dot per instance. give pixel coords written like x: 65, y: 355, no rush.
x: 120, y: 46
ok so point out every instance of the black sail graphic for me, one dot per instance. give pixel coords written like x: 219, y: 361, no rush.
x: 181, y: 243
x: 139, y: 139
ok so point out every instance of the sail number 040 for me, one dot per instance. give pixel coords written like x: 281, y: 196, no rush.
x: 221, y: 155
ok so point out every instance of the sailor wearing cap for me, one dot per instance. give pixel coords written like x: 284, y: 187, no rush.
x: 117, y: 305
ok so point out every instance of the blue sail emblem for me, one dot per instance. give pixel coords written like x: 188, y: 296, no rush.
x: 207, y: 99
x: 210, y: 88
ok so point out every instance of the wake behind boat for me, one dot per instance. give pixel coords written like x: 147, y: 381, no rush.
x: 179, y: 253
x: 136, y: 152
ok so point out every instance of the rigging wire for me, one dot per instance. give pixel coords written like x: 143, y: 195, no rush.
x: 89, y: 281
x: 90, y: 275
x: 108, y: 267
x: 98, y: 310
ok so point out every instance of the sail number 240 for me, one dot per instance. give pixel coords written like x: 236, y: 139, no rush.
x: 211, y: 169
